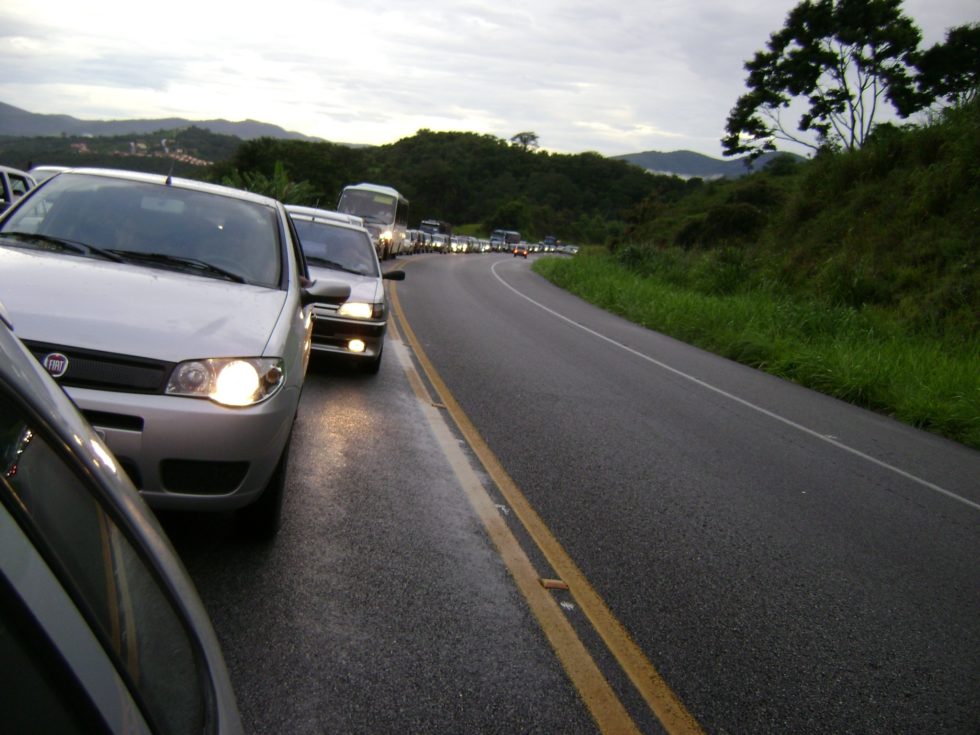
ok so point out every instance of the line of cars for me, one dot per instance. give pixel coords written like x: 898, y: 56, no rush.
x: 155, y: 333
x: 180, y: 317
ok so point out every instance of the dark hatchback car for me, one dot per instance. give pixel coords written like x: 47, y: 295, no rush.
x: 339, y: 249
x: 101, y: 629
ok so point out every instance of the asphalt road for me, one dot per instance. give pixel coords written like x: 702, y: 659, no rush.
x: 381, y: 606
x: 786, y: 562
x: 779, y: 556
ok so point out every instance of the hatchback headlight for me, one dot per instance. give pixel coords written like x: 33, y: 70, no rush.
x: 357, y: 310
x: 235, y: 381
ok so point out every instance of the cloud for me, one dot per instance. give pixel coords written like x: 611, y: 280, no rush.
x: 617, y: 77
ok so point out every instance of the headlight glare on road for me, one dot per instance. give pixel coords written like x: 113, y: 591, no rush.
x: 356, y: 310
x: 228, y: 381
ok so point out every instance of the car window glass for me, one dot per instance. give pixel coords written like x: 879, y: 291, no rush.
x: 350, y: 249
x: 233, y: 234
x: 19, y: 185
x: 105, y: 576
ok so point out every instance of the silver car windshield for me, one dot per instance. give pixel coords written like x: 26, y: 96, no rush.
x: 153, y: 225
x: 338, y: 248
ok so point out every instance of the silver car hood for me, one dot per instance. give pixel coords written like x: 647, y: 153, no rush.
x: 362, y: 288
x: 134, y: 310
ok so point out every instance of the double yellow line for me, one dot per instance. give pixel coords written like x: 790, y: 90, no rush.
x: 605, y: 706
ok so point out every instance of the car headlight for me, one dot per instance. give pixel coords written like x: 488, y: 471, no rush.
x: 386, y: 235
x: 235, y: 381
x: 357, y: 310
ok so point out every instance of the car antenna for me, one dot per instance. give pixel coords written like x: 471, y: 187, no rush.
x: 170, y: 173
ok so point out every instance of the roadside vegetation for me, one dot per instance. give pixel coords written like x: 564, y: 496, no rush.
x: 856, y: 274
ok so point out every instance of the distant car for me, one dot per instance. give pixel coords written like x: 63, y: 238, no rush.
x: 521, y: 249
x: 101, y: 629
x: 177, y: 316
x: 43, y: 173
x: 344, y: 252
x: 14, y: 184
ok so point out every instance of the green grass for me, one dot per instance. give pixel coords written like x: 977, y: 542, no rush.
x: 864, y: 356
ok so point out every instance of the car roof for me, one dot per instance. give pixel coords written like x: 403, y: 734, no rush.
x: 325, y: 217
x: 164, y: 180
x: 379, y: 188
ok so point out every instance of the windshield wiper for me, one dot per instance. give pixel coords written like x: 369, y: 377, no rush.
x: 332, y: 264
x: 179, y: 261
x: 69, y: 245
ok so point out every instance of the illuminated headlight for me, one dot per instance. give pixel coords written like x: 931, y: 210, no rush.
x: 356, y: 345
x: 356, y: 310
x: 361, y: 310
x: 242, y: 381
x: 386, y: 235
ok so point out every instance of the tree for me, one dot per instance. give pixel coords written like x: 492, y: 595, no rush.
x: 845, y: 57
x: 278, y: 187
x: 526, y: 140
x: 951, y: 70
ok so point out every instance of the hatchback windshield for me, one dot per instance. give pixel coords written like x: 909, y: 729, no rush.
x: 152, y: 225
x: 339, y: 248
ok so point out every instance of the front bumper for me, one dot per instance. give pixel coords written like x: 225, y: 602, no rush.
x: 189, y: 453
x: 334, y: 334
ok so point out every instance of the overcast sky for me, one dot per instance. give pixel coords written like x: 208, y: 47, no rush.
x: 612, y: 76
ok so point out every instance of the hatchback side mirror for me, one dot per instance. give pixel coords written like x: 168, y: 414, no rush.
x: 325, y: 292
x: 398, y: 275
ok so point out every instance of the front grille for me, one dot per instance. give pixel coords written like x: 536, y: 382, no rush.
x: 327, y: 328
x: 106, y: 370
x: 200, y: 477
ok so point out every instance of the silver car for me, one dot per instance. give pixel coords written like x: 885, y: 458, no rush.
x: 101, y: 629
x: 177, y: 316
x: 339, y: 249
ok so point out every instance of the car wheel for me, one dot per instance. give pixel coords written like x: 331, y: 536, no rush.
x: 260, y: 520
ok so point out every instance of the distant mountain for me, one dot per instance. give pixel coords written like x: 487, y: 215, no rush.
x: 688, y: 164
x: 17, y: 122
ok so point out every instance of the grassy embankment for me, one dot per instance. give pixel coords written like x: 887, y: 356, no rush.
x: 857, y: 275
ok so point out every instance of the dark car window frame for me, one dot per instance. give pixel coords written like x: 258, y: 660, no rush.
x: 297, y: 246
x: 55, y: 691
x: 44, y: 432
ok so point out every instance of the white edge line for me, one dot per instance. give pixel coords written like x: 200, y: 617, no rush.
x: 747, y: 404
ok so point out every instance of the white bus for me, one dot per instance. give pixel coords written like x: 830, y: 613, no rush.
x: 385, y: 214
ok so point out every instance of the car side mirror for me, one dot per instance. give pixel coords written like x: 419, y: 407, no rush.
x: 398, y: 275
x: 325, y: 292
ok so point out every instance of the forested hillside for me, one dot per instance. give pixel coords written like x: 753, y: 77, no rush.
x: 464, y: 178
x: 188, y: 152
x: 895, y: 224
x: 467, y: 178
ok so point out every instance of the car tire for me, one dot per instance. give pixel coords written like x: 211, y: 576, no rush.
x: 259, y: 521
